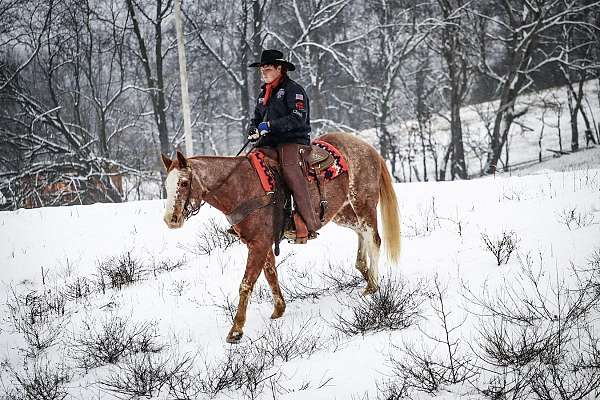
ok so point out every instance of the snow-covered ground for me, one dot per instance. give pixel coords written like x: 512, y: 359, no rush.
x: 50, y: 260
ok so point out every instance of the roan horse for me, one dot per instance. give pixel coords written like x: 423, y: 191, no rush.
x: 226, y: 182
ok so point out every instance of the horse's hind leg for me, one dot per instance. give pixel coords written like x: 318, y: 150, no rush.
x: 271, y: 276
x: 361, y: 257
x: 369, y: 244
x: 347, y: 217
x: 372, y: 243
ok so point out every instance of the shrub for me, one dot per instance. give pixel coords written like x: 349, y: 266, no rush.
x: 393, y: 306
x: 112, y: 339
x: 286, y: 341
x: 438, y: 363
x: 245, y: 368
x: 502, y: 247
x: 576, y: 219
x: 117, y: 272
x: 536, y: 336
x: 40, y: 381
x: 30, y: 315
x: 211, y: 236
x: 79, y: 289
x: 144, y: 375
x: 166, y: 265
x: 302, y: 285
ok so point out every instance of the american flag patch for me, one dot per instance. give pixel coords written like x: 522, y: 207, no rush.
x: 299, y: 97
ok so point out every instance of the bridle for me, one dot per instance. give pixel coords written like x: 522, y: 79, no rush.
x: 190, y: 209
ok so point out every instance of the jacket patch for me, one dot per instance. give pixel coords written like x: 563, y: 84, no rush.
x: 299, y: 97
x: 260, y: 100
x: 280, y: 93
x: 299, y: 105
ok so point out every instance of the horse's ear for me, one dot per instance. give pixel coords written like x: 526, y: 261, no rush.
x: 166, y: 161
x: 182, y: 160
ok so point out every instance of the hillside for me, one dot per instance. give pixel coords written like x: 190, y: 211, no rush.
x: 547, y: 115
x: 104, y: 302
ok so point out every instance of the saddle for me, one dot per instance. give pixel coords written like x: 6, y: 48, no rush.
x: 321, y: 162
x: 316, y: 160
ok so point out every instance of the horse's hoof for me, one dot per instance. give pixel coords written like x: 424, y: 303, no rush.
x: 370, y: 290
x: 279, y: 309
x: 234, y: 337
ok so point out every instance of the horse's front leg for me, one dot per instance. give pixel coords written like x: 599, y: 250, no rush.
x: 271, y: 275
x: 257, y: 256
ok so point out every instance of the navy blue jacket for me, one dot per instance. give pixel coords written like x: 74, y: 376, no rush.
x: 287, y: 111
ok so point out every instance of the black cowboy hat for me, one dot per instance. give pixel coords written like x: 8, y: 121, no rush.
x: 273, y: 57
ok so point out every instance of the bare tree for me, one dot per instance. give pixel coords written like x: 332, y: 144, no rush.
x: 521, y: 28
x: 401, y: 30
x: 242, y: 29
x: 453, y: 49
x: 322, y: 53
x: 577, y: 64
x: 153, y: 63
x: 63, y: 110
x: 9, y: 17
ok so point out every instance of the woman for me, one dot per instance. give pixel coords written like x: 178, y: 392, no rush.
x: 282, y: 121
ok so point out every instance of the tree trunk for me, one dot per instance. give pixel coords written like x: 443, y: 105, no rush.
x: 457, y: 166
x: 442, y: 176
x: 159, y: 93
x: 422, y: 112
x: 452, y: 52
x: 503, y: 120
x: 257, y: 22
x: 244, y: 51
x: 573, y: 103
x: 156, y: 86
x: 103, y: 136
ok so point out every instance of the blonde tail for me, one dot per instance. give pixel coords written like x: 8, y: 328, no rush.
x: 389, y: 214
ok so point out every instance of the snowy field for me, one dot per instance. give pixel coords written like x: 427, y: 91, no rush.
x: 73, y: 324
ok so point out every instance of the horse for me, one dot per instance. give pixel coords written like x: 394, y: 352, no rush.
x: 225, y: 182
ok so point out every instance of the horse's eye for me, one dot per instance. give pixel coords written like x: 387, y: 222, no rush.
x: 184, y: 184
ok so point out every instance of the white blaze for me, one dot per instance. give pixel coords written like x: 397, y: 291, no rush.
x: 171, y: 187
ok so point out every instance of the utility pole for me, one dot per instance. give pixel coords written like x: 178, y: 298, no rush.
x: 185, y: 100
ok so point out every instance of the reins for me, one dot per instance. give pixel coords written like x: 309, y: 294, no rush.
x: 188, y: 209
x: 243, y: 147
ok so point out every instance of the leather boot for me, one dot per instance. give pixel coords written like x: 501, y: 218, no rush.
x: 291, y: 165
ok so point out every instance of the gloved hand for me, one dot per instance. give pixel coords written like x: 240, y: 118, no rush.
x: 253, y: 134
x: 263, y: 128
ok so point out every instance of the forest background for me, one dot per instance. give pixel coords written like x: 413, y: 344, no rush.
x: 90, y: 93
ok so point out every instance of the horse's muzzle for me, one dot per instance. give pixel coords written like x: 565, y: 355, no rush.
x: 173, y: 222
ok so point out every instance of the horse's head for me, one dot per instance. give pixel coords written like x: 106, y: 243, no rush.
x: 178, y: 185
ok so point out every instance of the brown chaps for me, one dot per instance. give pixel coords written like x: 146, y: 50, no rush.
x: 291, y: 161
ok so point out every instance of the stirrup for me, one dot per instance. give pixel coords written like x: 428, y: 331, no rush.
x: 232, y: 231
x: 291, y: 237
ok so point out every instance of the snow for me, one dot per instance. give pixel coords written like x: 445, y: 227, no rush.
x: 442, y: 224
x: 550, y: 209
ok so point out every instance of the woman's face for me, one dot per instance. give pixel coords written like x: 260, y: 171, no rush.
x: 270, y: 72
